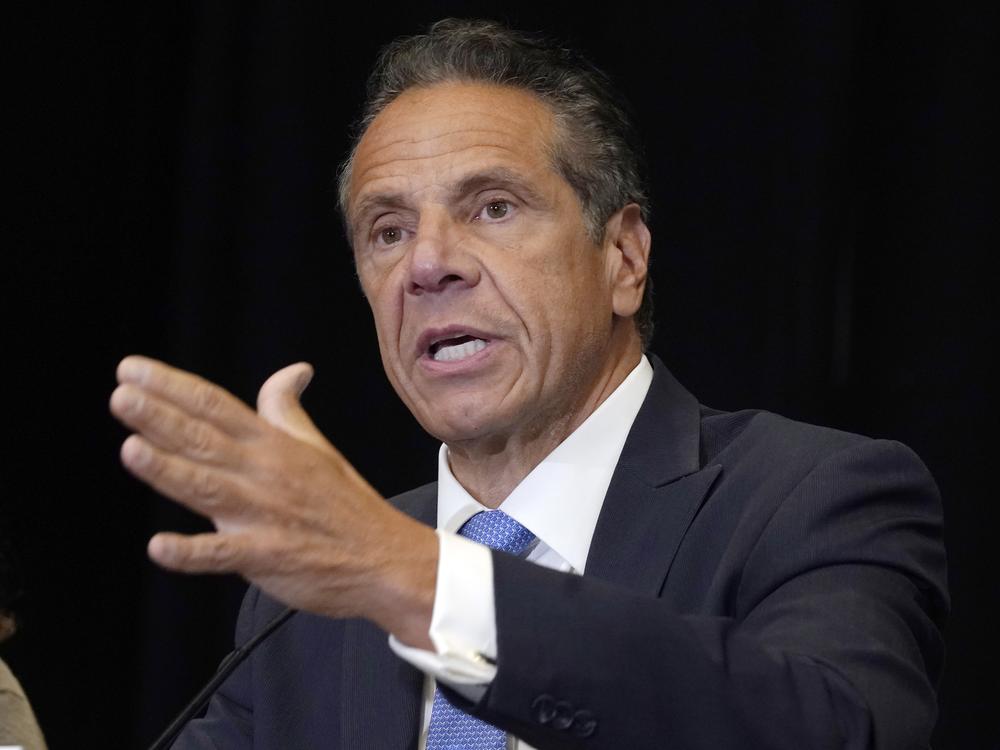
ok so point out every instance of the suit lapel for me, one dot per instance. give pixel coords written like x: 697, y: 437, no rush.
x: 656, y: 491
x: 382, y: 692
x: 383, y: 695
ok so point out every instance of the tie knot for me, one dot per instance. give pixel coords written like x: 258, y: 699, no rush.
x: 497, y: 530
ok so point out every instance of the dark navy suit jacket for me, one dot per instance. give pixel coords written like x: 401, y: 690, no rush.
x: 753, y: 582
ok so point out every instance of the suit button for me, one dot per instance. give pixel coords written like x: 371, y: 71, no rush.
x: 563, y: 715
x: 584, y: 724
x: 543, y: 708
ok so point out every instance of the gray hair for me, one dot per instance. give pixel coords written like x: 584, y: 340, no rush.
x: 597, y: 150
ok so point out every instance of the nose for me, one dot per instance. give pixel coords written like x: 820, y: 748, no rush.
x: 439, y: 260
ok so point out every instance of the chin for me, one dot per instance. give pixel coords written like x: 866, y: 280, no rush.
x: 456, y: 425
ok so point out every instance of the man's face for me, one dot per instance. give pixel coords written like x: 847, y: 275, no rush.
x: 493, y: 306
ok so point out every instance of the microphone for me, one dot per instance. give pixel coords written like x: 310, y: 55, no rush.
x: 233, y: 660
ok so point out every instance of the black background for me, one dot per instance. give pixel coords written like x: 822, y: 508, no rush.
x: 820, y: 180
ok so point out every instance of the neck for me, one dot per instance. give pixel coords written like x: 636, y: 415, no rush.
x: 490, y: 468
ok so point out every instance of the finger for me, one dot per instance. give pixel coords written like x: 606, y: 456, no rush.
x: 190, y: 393
x: 278, y: 403
x: 200, y: 553
x: 171, y: 429
x: 207, y: 490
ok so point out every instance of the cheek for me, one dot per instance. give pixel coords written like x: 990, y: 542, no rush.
x: 384, y: 304
x: 534, y: 263
x: 575, y: 282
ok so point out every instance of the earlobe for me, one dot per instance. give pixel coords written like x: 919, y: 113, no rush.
x: 628, y: 241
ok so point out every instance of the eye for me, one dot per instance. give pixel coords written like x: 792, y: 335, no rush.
x: 389, y: 235
x: 494, y: 210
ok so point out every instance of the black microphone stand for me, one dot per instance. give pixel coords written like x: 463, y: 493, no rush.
x: 226, y: 668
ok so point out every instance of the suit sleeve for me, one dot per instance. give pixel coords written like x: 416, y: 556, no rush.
x: 832, y: 639
x: 228, y: 721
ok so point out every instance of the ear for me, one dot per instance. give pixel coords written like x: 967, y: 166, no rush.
x: 627, y: 243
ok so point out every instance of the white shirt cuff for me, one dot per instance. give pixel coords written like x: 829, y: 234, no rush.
x: 463, y: 623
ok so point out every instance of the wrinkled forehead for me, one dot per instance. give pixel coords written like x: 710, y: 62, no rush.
x: 426, y: 133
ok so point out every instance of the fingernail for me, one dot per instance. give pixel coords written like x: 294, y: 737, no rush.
x: 124, y: 399
x: 135, y: 452
x: 305, y: 377
x: 131, y: 368
x: 159, y: 549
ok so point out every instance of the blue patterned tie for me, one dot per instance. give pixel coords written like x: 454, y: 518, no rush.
x: 450, y: 727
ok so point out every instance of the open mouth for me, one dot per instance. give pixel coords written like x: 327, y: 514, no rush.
x: 456, y: 348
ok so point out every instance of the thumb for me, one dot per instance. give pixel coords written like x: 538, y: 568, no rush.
x: 278, y: 404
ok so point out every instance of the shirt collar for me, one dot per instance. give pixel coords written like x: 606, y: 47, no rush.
x: 561, y: 499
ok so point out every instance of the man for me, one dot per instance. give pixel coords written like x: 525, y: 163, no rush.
x: 18, y: 725
x: 747, y: 581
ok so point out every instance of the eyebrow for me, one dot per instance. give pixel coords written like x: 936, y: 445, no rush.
x: 496, y: 177
x: 376, y: 201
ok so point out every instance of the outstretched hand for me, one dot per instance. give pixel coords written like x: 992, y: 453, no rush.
x: 291, y: 514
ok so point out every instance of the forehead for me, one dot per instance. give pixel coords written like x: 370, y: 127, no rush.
x: 427, y: 134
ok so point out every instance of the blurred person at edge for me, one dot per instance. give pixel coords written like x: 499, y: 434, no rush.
x: 18, y: 726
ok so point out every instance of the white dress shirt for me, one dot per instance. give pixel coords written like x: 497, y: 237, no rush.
x: 559, y: 501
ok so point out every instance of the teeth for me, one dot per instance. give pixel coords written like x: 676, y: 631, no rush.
x: 459, y: 351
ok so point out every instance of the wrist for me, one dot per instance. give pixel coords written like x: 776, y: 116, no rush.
x: 408, y: 585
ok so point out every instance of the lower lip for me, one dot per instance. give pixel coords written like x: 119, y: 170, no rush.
x: 458, y: 366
